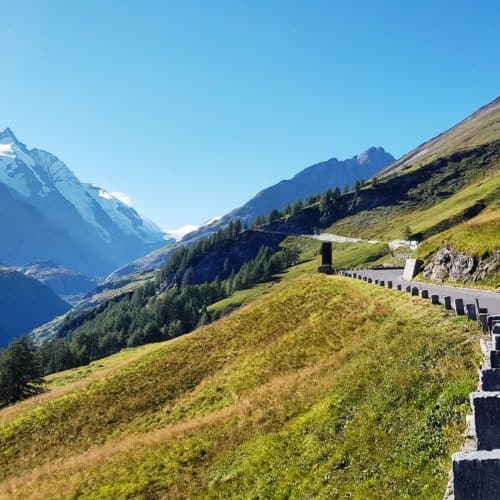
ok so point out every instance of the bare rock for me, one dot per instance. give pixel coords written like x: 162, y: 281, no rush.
x: 454, y: 266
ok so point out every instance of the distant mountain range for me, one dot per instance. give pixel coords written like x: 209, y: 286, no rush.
x: 312, y: 180
x: 24, y: 304
x: 68, y: 284
x: 47, y: 213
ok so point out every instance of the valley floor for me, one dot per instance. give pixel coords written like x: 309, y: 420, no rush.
x: 323, y: 386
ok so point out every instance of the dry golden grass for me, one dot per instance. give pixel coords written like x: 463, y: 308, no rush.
x: 288, y: 384
x: 278, y: 389
x: 68, y: 381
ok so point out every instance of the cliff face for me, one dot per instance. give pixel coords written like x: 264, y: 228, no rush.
x: 461, y: 267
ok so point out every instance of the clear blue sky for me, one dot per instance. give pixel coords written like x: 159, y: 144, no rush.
x: 192, y: 107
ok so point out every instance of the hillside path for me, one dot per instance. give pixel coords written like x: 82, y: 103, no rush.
x: 489, y: 299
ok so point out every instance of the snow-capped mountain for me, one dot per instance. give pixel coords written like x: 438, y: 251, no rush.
x: 178, y: 234
x: 105, y: 231
x: 314, y: 179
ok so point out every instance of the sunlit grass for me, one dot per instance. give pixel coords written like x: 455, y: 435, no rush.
x: 323, y: 386
x: 478, y: 236
x: 390, y: 223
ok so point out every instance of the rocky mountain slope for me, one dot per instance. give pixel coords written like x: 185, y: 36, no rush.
x: 310, y: 181
x: 47, y: 213
x: 67, y: 283
x: 24, y: 304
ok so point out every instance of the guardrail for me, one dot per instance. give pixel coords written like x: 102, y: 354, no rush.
x: 475, y: 471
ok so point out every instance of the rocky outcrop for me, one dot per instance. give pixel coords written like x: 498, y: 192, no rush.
x: 450, y: 265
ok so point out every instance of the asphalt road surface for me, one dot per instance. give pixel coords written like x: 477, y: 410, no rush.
x: 491, y: 300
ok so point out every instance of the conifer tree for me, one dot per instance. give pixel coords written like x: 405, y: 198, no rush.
x: 20, y: 372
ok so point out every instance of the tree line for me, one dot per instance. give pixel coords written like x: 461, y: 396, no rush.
x: 156, y: 311
x: 324, y: 199
x: 147, y: 315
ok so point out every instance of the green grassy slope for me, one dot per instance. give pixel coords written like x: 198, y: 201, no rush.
x: 311, y: 390
x: 435, y: 212
x: 466, y: 219
x: 482, y: 127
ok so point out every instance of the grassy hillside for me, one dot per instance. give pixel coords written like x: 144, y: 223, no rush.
x: 439, y: 203
x: 310, y: 390
x: 482, y: 127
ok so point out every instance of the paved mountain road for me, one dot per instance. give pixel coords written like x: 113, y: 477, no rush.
x: 488, y: 299
x: 336, y: 238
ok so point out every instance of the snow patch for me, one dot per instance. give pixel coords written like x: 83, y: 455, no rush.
x: 124, y: 198
x: 7, y: 150
x: 105, y: 194
x: 211, y: 221
x: 178, y: 234
x: 16, y: 169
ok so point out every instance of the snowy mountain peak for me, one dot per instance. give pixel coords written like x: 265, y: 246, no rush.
x: 178, y: 234
x: 85, y: 211
x: 53, y: 166
x: 7, y: 133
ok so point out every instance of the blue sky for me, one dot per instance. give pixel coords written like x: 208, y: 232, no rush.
x: 192, y: 107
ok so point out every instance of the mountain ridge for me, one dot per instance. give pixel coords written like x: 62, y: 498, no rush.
x: 462, y: 135
x: 99, y: 230
x: 68, y: 284
x: 307, y: 182
x: 369, y: 162
x: 24, y: 304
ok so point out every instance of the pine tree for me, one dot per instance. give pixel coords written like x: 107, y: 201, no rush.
x: 20, y: 372
x: 274, y: 215
x: 188, y: 277
x: 204, y: 318
x: 297, y: 207
x: 226, y: 268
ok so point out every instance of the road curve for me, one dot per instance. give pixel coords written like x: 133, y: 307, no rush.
x: 488, y: 299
